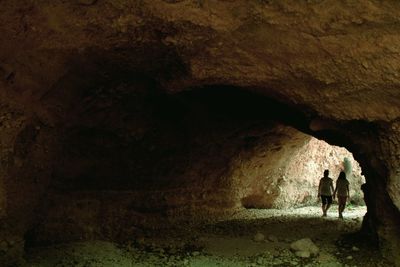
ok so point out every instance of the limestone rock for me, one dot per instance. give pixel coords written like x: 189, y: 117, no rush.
x: 195, y: 253
x: 303, y: 254
x: 305, y: 245
x: 272, y: 238
x: 258, y: 237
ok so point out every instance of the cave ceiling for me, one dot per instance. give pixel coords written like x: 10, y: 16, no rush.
x: 339, y: 60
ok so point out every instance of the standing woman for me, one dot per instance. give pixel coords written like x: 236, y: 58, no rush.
x: 342, y: 191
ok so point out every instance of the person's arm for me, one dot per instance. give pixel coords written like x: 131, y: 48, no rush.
x: 319, y: 189
x: 334, y: 191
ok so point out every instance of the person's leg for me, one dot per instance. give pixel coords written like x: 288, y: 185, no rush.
x: 329, y: 203
x: 342, y: 204
x: 344, y: 200
x: 323, y: 198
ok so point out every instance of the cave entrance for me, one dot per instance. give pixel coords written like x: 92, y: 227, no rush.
x: 253, y: 151
x: 286, y: 174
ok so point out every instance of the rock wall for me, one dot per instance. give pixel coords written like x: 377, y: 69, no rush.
x: 26, y: 164
x: 386, y: 165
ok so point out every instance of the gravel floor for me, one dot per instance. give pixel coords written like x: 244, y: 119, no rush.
x: 229, y: 242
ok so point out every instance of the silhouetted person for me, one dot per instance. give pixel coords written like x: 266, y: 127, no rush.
x: 342, y: 191
x: 325, y: 190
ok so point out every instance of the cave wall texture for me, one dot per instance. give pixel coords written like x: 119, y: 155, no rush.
x: 115, y: 103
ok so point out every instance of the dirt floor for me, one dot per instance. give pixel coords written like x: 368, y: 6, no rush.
x: 230, y: 242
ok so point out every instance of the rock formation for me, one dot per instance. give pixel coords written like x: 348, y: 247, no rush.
x: 150, y: 105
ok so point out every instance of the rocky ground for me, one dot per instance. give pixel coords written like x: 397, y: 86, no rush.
x: 249, y: 238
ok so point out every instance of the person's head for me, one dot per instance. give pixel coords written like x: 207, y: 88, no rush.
x: 326, y: 173
x: 342, y: 175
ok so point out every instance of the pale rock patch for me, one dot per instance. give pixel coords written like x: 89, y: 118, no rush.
x: 303, y: 247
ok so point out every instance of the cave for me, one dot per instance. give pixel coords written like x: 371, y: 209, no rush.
x: 125, y: 119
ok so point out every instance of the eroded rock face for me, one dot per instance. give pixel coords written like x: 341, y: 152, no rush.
x: 80, y: 80
x: 26, y: 155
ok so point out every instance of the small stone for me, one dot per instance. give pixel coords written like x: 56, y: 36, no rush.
x: 354, y: 248
x: 272, y: 238
x: 196, y: 253
x: 303, y: 254
x: 258, y: 237
x: 349, y: 257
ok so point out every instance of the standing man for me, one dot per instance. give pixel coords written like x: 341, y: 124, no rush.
x: 325, y: 191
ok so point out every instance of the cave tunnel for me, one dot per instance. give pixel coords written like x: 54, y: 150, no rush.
x: 128, y: 160
x: 165, y: 133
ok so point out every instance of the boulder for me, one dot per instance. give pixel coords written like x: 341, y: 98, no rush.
x: 302, y: 246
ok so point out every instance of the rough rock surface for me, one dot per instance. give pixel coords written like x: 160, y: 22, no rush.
x: 304, y: 247
x: 82, y: 81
